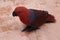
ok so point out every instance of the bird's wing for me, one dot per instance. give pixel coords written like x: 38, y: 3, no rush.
x: 40, y: 12
x: 40, y: 17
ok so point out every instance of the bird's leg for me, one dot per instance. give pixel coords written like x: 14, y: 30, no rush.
x: 30, y: 28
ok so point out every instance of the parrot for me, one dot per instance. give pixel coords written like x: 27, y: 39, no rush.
x: 32, y: 18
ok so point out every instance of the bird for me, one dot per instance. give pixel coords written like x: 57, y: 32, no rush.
x: 33, y: 18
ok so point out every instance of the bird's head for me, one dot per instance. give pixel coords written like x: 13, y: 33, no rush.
x: 20, y: 11
x: 23, y: 14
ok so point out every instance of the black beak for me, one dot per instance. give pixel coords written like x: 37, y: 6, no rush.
x: 14, y: 14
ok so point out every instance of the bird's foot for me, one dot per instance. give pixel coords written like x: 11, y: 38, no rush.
x: 30, y: 28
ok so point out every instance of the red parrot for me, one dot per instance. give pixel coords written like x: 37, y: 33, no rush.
x: 33, y: 18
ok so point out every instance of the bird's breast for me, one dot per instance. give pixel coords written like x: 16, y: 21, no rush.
x: 27, y: 18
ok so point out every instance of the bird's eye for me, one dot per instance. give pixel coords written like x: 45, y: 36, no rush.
x: 20, y: 12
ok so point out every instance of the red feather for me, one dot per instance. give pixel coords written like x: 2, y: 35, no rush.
x: 24, y: 14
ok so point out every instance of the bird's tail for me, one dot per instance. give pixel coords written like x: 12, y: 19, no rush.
x: 50, y: 19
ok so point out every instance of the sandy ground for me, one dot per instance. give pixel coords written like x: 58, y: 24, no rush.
x: 10, y: 27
